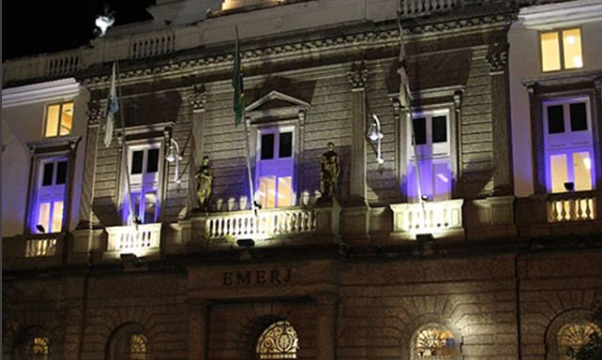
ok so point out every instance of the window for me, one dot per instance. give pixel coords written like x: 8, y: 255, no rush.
x: 561, y: 50
x: 278, y: 341
x: 128, y: 342
x: 275, y: 167
x: 572, y: 336
x: 49, y: 204
x: 136, y: 348
x: 38, y: 348
x: 59, y: 119
x: 143, y: 165
x: 568, y: 145
x: 433, y: 342
x: 429, y: 162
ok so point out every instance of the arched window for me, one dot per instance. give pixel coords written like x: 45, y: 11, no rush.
x: 434, y: 342
x: 278, y: 341
x: 129, y: 343
x: 572, y: 336
x: 38, y: 348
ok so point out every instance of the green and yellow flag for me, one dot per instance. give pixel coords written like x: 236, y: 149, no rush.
x: 237, y: 84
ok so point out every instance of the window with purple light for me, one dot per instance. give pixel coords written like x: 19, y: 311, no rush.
x: 274, y: 179
x: 144, y: 178
x: 49, y: 204
x: 429, y: 168
x: 568, y: 145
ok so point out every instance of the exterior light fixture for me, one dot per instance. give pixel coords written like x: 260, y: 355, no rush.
x: 245, y: 243
x: 375, y: 135
x: 103, y: 23
x: 173, y: 157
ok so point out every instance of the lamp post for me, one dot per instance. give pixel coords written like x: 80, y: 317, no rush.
x: 375, y: 135
x: 174, y: 156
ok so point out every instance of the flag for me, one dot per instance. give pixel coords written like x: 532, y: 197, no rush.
x: 112, y: 108
x: 237, y: 84
x: 405, y: 96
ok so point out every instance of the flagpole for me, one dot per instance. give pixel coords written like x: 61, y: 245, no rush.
x: 125, y: 162
x: 405, y: 87
x: 238, y: 86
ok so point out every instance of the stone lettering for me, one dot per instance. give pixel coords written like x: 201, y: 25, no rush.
x: 257, y: 277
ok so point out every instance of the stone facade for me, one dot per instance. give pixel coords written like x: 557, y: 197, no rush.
x: 357, y: 277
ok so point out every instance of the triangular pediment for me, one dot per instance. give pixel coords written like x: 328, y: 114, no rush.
x: 277, y: 100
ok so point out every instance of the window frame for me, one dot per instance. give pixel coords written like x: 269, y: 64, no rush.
x: 56, y: 148
x: 58, y: 130
x: 277, y: 128
x: 544, y: 91
x: 142, y: 145
x: 450, y: 156
x: 560, y: 31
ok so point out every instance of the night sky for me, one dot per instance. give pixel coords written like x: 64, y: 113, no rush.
x: 45, y: 26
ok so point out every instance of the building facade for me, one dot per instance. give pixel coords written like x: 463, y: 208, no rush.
x: 466, y: 226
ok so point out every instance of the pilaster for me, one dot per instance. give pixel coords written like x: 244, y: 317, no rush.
x: 198, y: 315
x: 326, y: 305
x: 85, y: 210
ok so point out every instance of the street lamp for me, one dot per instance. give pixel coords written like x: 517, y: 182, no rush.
x: 173, y: 156
x: 375, y: 135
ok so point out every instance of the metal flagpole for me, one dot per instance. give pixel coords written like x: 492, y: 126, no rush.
x: 405, y: 87
x: 125, y: 162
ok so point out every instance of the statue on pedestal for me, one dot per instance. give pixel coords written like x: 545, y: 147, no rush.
x: 329, y: 174
x: 204, y: 181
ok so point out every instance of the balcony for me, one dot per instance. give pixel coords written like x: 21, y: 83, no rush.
x: 33, y: 251
x: 442, y: 219
x: 291, y: 224
x: 571, y: 207
x: 141, y: 240
x: 413, y: 8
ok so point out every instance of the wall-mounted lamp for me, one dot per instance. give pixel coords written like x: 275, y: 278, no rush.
x: 103, y: 23
x: 375, y: 135
x: 173, y: 156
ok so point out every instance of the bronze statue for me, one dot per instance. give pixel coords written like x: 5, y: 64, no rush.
x: 330, y: 171
x: 205, y: 179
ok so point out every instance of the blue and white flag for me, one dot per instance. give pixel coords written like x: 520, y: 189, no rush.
x: 112, y: 108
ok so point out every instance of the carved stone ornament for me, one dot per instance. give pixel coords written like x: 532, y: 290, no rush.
x: 497, y: 58
x: 94, y: 113
x: 198, y: 98
x: 358, y: 76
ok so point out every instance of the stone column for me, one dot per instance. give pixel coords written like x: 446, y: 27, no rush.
x: 85, y: 209
x: 358, y: 76
x: 500, y: 113
x: 326, y: 330
x: 198, y: 313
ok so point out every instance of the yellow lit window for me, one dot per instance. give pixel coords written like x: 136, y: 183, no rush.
x: 59, y: 119
x: 561, y: 50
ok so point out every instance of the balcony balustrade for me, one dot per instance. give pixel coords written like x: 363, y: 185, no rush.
x: 40, y: 246
x: 267, y: 224
x: 139, y: 240
x: 412, y: 8
x: 579, y: 206
x: 441, y: 218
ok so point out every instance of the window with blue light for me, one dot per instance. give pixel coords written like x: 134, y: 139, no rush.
x: 144, y: 183
x: 49, y: 193
x: 274, y: 180
x: 568, y: 145
x: 429, y: 169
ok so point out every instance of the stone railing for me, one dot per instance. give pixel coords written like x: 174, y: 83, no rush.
x: 132, y: 239
x: 158, y: 44
x: 571, y: 207
x: 268, y: 223
x: 64, y: 63
x: 411, y: 8
x: 441, y: 217
x: 40, y: 246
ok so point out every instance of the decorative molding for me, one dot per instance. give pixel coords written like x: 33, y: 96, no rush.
x: 371, y: 38
x: 561, y: 14
x: 497, y: 58
x: 94, y: 113
x: 358, y: 76
x: 52, y: 144
x: 564, y: 78
x: 41, y: 92
x: 198, y: 98
x: 296, y: 109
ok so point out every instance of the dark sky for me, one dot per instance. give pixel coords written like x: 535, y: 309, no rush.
x: 31, y: 27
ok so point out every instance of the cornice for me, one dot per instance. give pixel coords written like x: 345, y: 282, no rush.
x: 562, y: 14
x: 41, y: 92
x: 254, y: 57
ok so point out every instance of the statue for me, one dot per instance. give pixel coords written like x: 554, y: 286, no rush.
x: 205, y: 179
x: 329, y: 174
